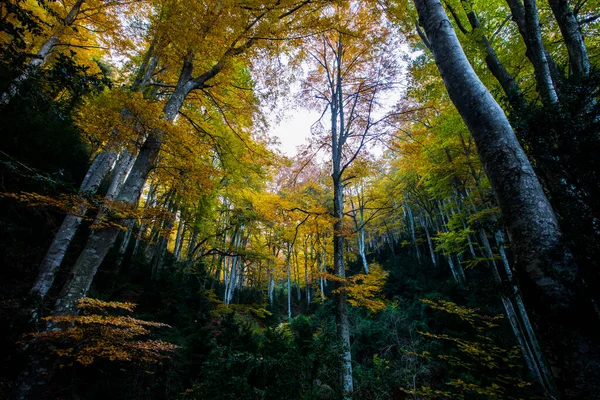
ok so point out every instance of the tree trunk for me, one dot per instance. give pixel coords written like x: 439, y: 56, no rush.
x: 542, y: 260
x: 505, y: 79
x: 526, y: 337
x: 58, y: 248
x: 343, y: 323
x: 411, y: 221
x: 102, y: 240
x: 41, y: 56
x: 179, y: 238
x: 289, y: 282
x: 569, y: 27
x: 526, y: 17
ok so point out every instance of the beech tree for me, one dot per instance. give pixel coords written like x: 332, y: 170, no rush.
x: 542, y: 257
x: 353, y: 67
x: 250, y: 24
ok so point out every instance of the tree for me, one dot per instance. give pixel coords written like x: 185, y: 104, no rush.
x: 542, y: 258
x: 247, y: 25
x: 353, y: 69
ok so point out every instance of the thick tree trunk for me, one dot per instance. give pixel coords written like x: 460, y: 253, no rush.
x: 124, y: 165
x: 569, y: 27
x: 58, y: 248
x: 555, y: 290
x: 101, y: 241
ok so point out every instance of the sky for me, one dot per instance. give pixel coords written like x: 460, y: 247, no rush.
x: 294, y: 129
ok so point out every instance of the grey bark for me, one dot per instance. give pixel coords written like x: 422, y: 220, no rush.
x: 526, y: 338
x: 505, y: 79
x: 411, y: 224
x: 359, y: 223
x: 40, y: 57
x: 124, y: 165
x: 429, y: 242
x: 525, y: 16
x: 541, y: 257
x: 179, y: 238
x: 58, y: 248
x: 289, y: 281
x: 101, y: 241
x: 338, y: 138
x: 569, y: 27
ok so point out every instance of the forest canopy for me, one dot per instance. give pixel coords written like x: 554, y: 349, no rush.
x: 435, y: 236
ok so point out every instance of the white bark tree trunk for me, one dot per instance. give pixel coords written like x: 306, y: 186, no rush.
x: 58, y: 248
x: 41, y: 56
x: 579, y: 60
x: 542, y: 258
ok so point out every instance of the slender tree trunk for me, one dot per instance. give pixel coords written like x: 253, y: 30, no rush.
x: 411, y: 221
x: 306, y: 284
x: 192, y: 243
x: 429, y: 243
x: 343, y: 323
x: 271, y: 289
x: 41, y: 56
x: 555, y: 291
x: 289, y: 281
x: 161, y: 248
x: 526, y: 338
x: 569, y: 27
x: 179, y: 238
x: 525, y: 16
x: 505, y: 79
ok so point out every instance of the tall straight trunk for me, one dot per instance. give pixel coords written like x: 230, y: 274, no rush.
x: 58, y: 248
x: 289, y: 281
x: 142, y: 230
x: 271, y: 288
x: 161, y: 248
x: 297, y: 274
x: 411, y: 222
x: 179, y: 238
x: 192, y: 243
x: 429, y: 242
x: 342, y: 321
x: 306, y: 284
x: 526, y: 337
x: 526, y: 17
x: 555, y: 291
x: 123, y: 247
x: 569, y: 27
x: 359, y: 223
x: 361, y: 248
x: 321, y: 264
x: 457, y: 270
x: 124, y: 165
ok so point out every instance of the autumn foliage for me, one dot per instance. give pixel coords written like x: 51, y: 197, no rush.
x: 97, y: 333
